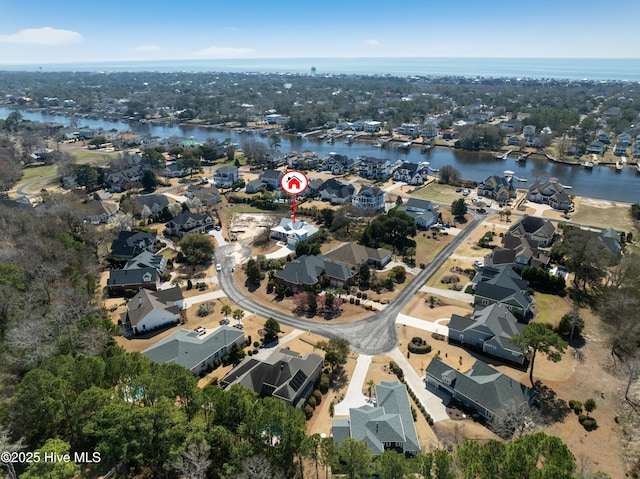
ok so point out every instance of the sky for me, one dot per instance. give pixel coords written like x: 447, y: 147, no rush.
x: 45, y: 31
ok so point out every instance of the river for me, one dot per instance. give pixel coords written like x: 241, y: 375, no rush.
x: 601, y: 182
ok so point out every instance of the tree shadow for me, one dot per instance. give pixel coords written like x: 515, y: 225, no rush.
x: 552, y: 408
x: 251, y: 287
x: 339, y: 379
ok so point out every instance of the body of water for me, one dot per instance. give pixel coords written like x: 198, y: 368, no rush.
x: 596, y: 69
x: 601, y: 182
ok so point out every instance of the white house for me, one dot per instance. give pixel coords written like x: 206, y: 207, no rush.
x: 149, y: 310
x: 372, y: 126
x: 369, y: 198
x: 225, y: 176
x: 292, y: 232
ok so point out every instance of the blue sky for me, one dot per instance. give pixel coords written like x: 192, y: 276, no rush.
x: 45, y: 31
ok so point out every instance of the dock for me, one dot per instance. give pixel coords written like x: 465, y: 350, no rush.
x: 504, y: 156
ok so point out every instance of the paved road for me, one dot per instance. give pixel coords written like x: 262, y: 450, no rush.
x: 373, y: 335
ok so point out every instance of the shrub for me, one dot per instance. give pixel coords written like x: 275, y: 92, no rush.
x: 331, y: 409
x: 256, y: 344
x: 590, y: 424
x: 318, y: 395
x: 419, y: 349
x: 308, y: 412
x: 357, y: 302
x: 311, y: 402
x: 397, y: 370
x: 324, y: 383
x: 352, y: 300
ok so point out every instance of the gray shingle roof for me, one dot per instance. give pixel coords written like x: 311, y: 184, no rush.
x: 188, y: 349
x: 307, y: 269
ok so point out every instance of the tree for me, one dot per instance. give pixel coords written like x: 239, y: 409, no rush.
x: 590, y: 405
x: 356, y: 457
x: 238, y: 314
x: 436, y: 464
x: 370, y: 385
x: 252, y: 270
x: 236, y: 353
x: 196, y: 248
x: 571, y: 322
x: 364, y: 274
x: 507, y: 213
x: 312, y: 302
x: 459, y: 208
x: 537, y: 337
x: 391, y: 465
x: 514, y: 418
x: 193, y: 461
x: 311, y: 449
x: 148, y: 180
x: 449, y: 174
x: 226, y: 310
x: 336, y: 351
x: 328, y: 216
x: 275, y: 141
x: 271, y: 330
x: 53, y: 469
x: 393, y: 229
x: 12, y: 122
x: 86, y: 175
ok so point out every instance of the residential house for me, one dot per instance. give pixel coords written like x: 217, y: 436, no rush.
x: 489, y: 330
x: 388, y: 425
x: 354, y: 254
x: 188, y: 222
x: 502, y: 285
x: 517, y: 252
x: 338, y: 164
x: 276, y: 119
x: 194, y: 351
x: 624, y: 139
x: 529, y: 131
x: 313, y: 189
x: 274, y: 158
x: 596, y: 147
x: 423, y: 212
x: 125, y: 179
x: 515, y: 141
x: 369, y: 198
x: 374, y: 168
x: 291, y: 232
x: 149, y: 205
x: 271, y: 179
x: 174, y: 169
x: 372, y: 126
x: 611, y: 239
x: 100, y: 211
x: 225, y: 176
x: 498, y: 188
x: 208, y: 195
x: 336, y: 192
x: 254, y: 186
x: 620, y: 150
x: 146, y: 259
x: 131, y: 243
x: 550, y: 193
x: 307, y: 271
x: 307, y: 160
x: 359, y: 124
x: 482, y: 388
x: 612, y: 112
x: 603, y: 137
x: 411, y: 173
x: 409, y: 129
x: 149, y: 310
x: 121, y: 280
x: 285, y: 375
x: 534, y: 228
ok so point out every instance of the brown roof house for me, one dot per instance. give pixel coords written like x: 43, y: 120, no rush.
x: 534, y: 228
x: 308, y: 270
x: 355, y: 254
x: 285, y: 374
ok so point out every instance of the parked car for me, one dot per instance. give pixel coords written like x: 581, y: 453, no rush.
x: 200, y: 330
x: 218, y: 267
x: 224, y: 321
x: 238, y: 325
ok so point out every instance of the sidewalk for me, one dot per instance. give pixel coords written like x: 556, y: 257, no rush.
x: 188, y: 302
x: 432, y: 403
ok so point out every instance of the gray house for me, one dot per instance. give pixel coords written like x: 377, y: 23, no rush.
x: 225, y: 176
x: 502, y: 285
x: 285, y: 374
x: 188, y: 222
x: 534, y: 228
x: 307, y: 271
x: 489, y: 330
x: 424, y: 212
x: 388, y: 425
x: 335, y: 192
x: 193, y: 351
x: 482, y: 388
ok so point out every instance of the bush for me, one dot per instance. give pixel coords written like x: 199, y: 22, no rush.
x: 324, y: 383
x: 311, y: 402
x: 420, y: 348
x: 317, y: 395
x: 308, y: 411
x: 397, y: 370
x: 256, y: 344
x: 590, y: 424
x: 352, y: 300
x: 331, y: 409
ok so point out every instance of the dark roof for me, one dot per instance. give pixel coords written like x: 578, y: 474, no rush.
x: 307, y: 269
x: 146, y: 301
x: 153, y: 200
x: 126, y: 277
x: 355, y: 254
x: 503, y: 285
x: 370, y: 191
x: 483, y: 385
x: 130, y: 243
x: 270, y: 174
x: 533, y: 225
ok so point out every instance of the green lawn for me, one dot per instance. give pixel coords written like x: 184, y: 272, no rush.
x: 30, y: 174
x: 438, y: 193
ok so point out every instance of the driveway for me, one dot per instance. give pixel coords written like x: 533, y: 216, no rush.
x: 354, y: 397
x: 219, y: 237
x: 432, y: 403
x: 283, y: 252
x: 431, y: 326
x: 449, y: 293
x: 188, y: 302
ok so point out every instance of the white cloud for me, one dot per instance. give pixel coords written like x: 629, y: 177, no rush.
x: 42, y: 36
x: 372, y: 41
x: 146, y: 48
x: 226, y: 52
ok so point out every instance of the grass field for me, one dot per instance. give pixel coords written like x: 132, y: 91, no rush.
x: 30, y: 174
x: 551, y: 308
x: 438, y: 193
x: 602, y: 213
x: 93, y: 157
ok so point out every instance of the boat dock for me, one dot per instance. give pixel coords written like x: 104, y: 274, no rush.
x: 504, y: 156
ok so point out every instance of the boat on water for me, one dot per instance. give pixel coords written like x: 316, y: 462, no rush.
x: 425, y: 148
x: 618, y: 167
x: 406, y: 146
x: 638, y: 167
x: 349, y: 138
x: 588, y: 165
x: 331, y: 139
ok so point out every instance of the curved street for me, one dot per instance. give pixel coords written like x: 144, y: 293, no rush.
x: 373, y: 335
